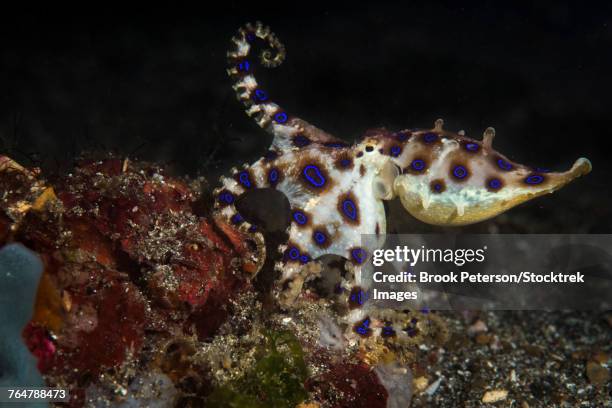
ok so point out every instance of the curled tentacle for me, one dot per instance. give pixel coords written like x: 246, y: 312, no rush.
x: 284, y: 126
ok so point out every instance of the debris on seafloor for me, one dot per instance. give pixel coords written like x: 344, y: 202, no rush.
x: 146, y: 299
x: 494, y: 396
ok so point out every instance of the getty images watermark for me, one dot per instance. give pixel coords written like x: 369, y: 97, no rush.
x: 489, y: 271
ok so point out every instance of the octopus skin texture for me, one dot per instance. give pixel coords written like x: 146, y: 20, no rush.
x: 336, y: 190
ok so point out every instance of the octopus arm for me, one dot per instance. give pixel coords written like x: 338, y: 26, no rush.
x: 288, y: 130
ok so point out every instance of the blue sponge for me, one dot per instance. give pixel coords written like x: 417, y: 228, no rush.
x: 20, y: 271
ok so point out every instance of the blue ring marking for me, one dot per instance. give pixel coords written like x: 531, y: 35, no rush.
x: 495, y: 184
x: 305, y: 258
x: 430, y: 137
x: 411, y: 331
x: 402, y: 137
x: 260, y: 95
x: 335, y: 145
x: 280, y: 117
x: 273, y: 176
x: 358, y: 297
x: 387, y: 331
x: 244, y: 179
x: 472, y: 147
x: 534, y: 179
x: 414, y: 320
x: 504, y: 165
x: 250, y: 37
x: 319, y: 237
x: 318, y: 180
x: 396, y: 151
x: 345, y: 162
x: 236, y: 219
x: 425, y: 310
x: 300, y: 217
x: 226, y: 197
x: 243, y: 66
x: 253, y: 228
x: 460, y: 172
x: 293, y: 253
x: 349, y: 209
x: 417, y: 165
x: 363, y: 327
x: 359, y: 255
x: 301, y: 141
x: 437, y: 187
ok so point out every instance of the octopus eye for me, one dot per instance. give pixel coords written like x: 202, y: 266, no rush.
x: 534, y: 179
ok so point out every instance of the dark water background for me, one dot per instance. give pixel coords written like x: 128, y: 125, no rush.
x: 152, y: 84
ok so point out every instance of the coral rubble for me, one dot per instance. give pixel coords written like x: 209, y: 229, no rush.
x: 145, y: 293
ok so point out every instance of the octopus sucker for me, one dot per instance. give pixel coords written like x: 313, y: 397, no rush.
x: 336, y: 189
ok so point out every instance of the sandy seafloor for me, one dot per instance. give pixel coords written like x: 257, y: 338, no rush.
x: 154, y: 88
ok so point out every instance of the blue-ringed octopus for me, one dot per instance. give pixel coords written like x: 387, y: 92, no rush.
x: 336, y: 189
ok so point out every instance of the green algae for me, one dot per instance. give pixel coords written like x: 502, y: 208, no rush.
x: 276, y: 379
